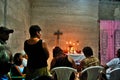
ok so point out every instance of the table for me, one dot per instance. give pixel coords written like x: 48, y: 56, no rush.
x: 77, y: 58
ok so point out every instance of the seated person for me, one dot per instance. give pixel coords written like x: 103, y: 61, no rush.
x: 18, y: 69
x: 90, y: 60
x: 112, y: 64
x: 60, y: 59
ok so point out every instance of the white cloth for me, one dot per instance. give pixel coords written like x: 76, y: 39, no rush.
x: 77, y: 57
x: 24, y: 62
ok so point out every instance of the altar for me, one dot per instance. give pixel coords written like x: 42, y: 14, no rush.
x: 72, y: 50
x: 77, y: 57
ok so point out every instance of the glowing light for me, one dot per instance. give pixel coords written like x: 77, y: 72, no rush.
x: 72, y: 47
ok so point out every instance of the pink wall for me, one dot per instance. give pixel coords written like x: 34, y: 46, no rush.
x: 109, y: 37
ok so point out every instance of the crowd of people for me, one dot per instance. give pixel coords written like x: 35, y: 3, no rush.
x: 33, y: 65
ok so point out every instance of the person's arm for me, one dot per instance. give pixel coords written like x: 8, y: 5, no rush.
x: 72, y: 61
x: 21, y: 74
x: 105, y: 66
x: 45, y: 49
x: 52, y: 64
x: 110, y: 63
x: 82, y: 64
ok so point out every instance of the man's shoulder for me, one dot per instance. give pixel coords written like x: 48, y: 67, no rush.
x: 115, y: 59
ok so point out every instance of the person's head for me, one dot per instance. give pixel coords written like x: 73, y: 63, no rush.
x: 4, y: 33
x: 57, y: 51
x: 87, y: 51
x: 18, y: 59
x: 35, y: 31
x: 118, y: 53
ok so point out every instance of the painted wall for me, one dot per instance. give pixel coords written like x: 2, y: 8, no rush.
x: 109, y: 39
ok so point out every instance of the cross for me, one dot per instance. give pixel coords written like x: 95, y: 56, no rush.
x: 58, y: 33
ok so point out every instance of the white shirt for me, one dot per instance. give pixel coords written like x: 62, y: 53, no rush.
x: 114, y: 63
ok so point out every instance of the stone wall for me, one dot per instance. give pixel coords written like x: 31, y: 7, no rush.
x: 1, y: 12
x: 17, y: 18
x: 109, y: 10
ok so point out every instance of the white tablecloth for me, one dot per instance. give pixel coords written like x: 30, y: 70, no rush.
x: 77, y: 57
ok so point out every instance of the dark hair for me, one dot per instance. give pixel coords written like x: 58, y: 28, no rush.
x: 87, y: 51
x: 16, y: 59
x: 33, y: 29
x: 56, y: 51
x: 118, y: 52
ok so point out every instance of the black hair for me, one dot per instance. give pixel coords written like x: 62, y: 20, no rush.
x: 16, y: 59
x: 118, y: 52
x: 56, y: 51
x: 33, y: 29
x: 87, y: 51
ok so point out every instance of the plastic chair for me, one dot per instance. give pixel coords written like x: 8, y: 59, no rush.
x: 63, y: 73
x: 16, y: 77
x: 115, y: 74
x: 92, y: 72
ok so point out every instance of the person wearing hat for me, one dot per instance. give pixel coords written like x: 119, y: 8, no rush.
x: 5, y: 53
x: 4, y: 34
